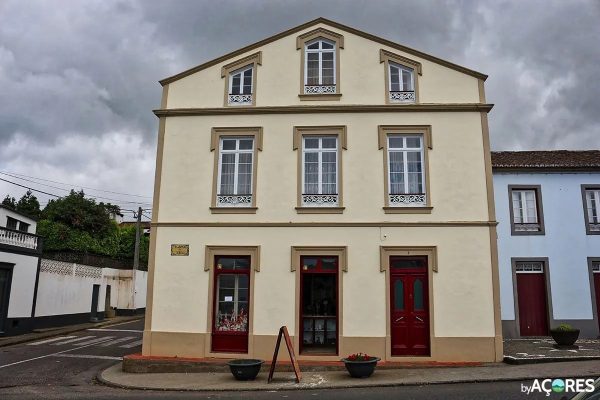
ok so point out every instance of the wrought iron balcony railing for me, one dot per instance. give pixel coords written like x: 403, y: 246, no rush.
x: 320, y: 89
x: 234, y: 200
x: 407, y: 200
x: 11, y: 237
x: 240, y: 99
x: 403, y: 97
x: 320, y: 200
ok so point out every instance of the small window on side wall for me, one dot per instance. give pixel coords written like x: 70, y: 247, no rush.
x: 401, y: 77
x: 526, y: 211
x: 401, y: 84
x: 591, y: 208
x: 240, y: 86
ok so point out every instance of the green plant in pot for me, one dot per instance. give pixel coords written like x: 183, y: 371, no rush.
x: 360, y: 365
x: 565, y: 335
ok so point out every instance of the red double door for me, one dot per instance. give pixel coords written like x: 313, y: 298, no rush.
x: 409, y: 306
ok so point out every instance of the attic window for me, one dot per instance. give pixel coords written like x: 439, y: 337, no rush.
x: 320, y: 77
x: 401, y: 84
x: 240, y: 86
x: 240, y: 82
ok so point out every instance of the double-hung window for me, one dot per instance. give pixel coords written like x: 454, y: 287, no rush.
x: 319, y: 67
x: 406, y: 171
x: 401, y: 84
x: 235, y: 174
x: 320, y: 171
x: 240, y: 86
x: 591, y: 198
x: 526, y: 213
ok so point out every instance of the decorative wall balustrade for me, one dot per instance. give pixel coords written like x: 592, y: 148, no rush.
x: 407, y: 200
x: 402, y: 97
x: 240, y: 99
x: 530, y: 227
x: 320, y: 89
x: 70, y: 269
x: 20, y: 239
x: 320, y: 200
x: 234, y: 200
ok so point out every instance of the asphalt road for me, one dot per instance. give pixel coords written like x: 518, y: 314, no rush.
x: 66, y: 368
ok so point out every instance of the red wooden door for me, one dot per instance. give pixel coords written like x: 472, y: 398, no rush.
x: 231, y: 300
x: 533, y: 310
x: 409, y: 306
x: 597, y: 290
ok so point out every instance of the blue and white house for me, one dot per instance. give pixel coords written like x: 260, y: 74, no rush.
x: 548, y: 208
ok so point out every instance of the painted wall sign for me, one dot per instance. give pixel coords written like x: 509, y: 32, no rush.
x: 180, y: 249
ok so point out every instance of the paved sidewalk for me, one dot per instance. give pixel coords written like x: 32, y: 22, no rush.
x: 543, y: 349
x: 51, y: 332
x: 218, y: 381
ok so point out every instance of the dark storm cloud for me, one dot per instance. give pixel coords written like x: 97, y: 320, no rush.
x: 79, y: 81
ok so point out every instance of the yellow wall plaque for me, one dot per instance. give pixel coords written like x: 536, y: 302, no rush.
x: 180, y: 249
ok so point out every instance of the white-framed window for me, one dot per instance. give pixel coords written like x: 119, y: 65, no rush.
x: 240, y: 86
x: 406, y: 170
x: 319, y: 67
x: 236, y: 158
x: 530, y: 267
x: 524, y: 206
x: 592, y: 206
x: 320, y: 171
x: 401, y: 83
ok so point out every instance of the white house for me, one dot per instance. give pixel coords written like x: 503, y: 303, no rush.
x: 548, y: 208
x: 20, y: 252
x: 38, y: 292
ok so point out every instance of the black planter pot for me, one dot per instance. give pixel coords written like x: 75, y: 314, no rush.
x: 245, y: 370
x: 565, y: 338
x: 361, y: 369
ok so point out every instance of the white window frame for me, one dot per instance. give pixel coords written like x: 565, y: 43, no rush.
x: 321, y: 199
x: 529, y: 267
x: 401, y: 67
x: 415, y: 199
x: 241, y: 98
x: 522, y: 210
x: 592, y: 194
x: 320, y: 51
x: 235, y: 199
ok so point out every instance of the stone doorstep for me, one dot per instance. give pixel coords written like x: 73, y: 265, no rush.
x: 136, y: 363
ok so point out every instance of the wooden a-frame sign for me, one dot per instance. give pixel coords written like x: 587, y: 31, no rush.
x: 288, y: 342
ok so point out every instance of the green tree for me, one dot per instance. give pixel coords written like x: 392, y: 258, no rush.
x: 9, y: 202
x: 77, y: 212
x: 29, y: 205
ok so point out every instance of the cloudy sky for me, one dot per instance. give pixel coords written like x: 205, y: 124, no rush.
x: 79, y: 78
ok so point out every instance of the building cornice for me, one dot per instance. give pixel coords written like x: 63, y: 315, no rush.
x: 320, y: 109
x: 357, y: 224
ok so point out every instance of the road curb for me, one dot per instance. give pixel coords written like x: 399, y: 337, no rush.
x: 102, y: 380
x: 63, y: 331
x: 524, y: 361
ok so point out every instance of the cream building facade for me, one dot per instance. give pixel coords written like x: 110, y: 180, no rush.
x: 333, y: 182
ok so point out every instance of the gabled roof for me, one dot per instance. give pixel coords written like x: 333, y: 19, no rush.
x: 547, y: 160
x: 18, y: 212
x: 334, y: 24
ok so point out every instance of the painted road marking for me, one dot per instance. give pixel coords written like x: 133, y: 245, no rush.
x: 47, y: 355
x: 73, y: 340
x: 124, y: 339
x: 132, y: 344
x: 88, y: 356
x: 95, y: 341
x: 116, y: 330
x: 50, y: 340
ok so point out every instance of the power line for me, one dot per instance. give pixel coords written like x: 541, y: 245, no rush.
x: 71, y: 185
x: 67, y: 190
x: 51, y: 194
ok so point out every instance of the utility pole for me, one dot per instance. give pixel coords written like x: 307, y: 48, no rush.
x: 136, y: 256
